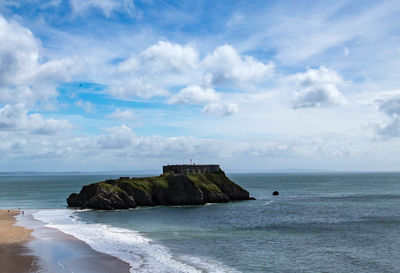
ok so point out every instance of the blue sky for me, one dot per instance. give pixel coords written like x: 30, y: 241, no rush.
x: 102, y: 85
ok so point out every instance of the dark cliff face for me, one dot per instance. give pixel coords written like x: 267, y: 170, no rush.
x: 170, y: 189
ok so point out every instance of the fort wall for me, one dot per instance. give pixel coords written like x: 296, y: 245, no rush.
x: 187, y: 169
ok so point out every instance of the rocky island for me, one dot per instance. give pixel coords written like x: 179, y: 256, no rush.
x: 178, y: 185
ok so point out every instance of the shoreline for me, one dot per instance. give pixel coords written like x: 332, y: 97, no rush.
x: 27, y: 245
x: 15, y: 256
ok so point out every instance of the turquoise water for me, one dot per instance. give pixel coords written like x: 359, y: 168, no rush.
x: 319, y: 223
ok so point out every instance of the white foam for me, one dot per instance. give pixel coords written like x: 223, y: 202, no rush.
x: 140, y: 252
x: 208, y: 265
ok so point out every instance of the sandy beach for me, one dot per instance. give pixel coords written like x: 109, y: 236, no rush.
x: 14, y: 255
x: 48, y: 250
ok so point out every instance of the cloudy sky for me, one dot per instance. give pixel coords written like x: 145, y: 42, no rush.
x: 101, y: 85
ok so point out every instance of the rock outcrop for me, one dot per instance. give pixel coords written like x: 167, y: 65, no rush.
x: 166, y: 189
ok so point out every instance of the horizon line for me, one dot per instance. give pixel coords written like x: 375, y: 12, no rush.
x: 153, y: 171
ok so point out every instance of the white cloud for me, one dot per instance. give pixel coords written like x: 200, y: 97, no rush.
x: 119, y: 138
x: 19, y: 59
x: 106, y: 6
x: 171, y: 58
x: 17, y: 94
x: 165, y: 65
x: 131, y: 150
x: 16, y: 118
x: 225, y: 66
x: 58, y: 70
x: 122, y: 114
x: 301, y: 35
x: 388, y: 103
x: 154, y: 71
x: 221, y: 109
x: 125, y: 143
x: 389, y: 129
x: 194, y: 94
x: 318, y: 88
x: 11, y: 116
x: 295, y: 37
x: 42, y: 95
x: 40, y: 125
x: 129, y: 65
x: 19, y: 53
x: 25, y: 82
x: 212, y: 100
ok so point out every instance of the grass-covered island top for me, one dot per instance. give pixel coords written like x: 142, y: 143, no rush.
x: 167, y: 189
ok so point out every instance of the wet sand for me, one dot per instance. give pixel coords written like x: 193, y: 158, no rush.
x: 33, y: 247
x: 15, y: 256
x: 60, y: 252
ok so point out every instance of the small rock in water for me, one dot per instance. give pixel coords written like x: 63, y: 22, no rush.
x: 275, y: 193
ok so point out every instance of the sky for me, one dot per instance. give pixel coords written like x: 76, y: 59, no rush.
x: 105, y: 85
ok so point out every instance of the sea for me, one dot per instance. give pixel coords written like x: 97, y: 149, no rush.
x: 320, y: 222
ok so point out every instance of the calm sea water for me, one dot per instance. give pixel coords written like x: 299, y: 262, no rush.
x: 320, y: 223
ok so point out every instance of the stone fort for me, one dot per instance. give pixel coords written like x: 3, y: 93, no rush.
x: 192, y: 168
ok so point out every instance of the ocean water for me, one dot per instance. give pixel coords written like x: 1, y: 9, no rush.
x: 330, y: 222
